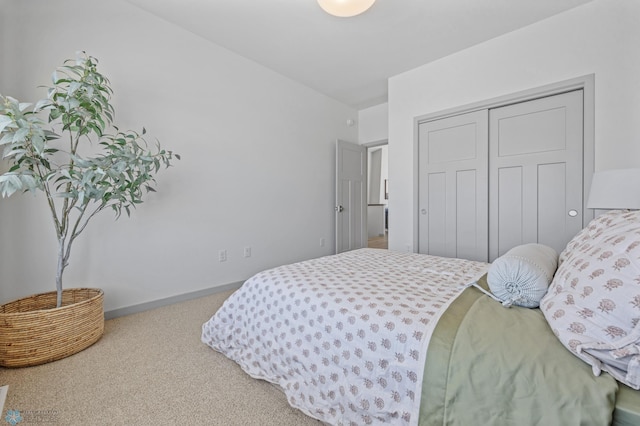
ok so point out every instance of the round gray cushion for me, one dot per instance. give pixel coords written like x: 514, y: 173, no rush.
x: 522, y: 275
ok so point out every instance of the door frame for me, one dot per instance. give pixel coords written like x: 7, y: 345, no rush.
x: 585, y: 83
x: 370, y: 146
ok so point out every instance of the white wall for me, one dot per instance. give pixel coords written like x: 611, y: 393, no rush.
x: 4, y: 41
x: 373, y: 123
x: 257, y: 152
x: 600, y: 37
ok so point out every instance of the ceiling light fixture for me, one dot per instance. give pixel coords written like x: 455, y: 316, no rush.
x: 345, y: 8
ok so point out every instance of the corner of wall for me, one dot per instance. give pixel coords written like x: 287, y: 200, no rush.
x: 373, y: 123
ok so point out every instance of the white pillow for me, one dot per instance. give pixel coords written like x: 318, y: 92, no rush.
x: 522, y: 275
x: 593, y: 303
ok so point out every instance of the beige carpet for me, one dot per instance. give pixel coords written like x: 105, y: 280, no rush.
x: 148, y: 369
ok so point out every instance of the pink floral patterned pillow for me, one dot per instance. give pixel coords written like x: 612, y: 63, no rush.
x: 593, y: 302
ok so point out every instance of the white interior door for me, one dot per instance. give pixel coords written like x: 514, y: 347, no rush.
x: 452, y: 186
x: 351, y: 196
x: 536, y: 160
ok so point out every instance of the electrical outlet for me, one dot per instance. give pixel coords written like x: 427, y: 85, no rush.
x: 247, y: 252
x: 222, y: 255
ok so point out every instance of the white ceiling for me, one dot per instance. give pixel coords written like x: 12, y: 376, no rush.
x: 350, y: 59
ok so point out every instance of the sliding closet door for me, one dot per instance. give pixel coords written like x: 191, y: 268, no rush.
x: 452, y: 186
x: 535, y: 163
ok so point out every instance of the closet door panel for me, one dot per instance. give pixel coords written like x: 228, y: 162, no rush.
x: 436, y: 226
x: 509, y: 222
x: 452, y: 186
x: 552, y: 184
x: 543, y: 137
x: 467, y: 228
x: 522, y: 132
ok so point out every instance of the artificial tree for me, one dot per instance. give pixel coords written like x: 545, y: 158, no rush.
x: 67, y: 146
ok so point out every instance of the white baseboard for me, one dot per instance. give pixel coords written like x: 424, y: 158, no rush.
x: 120, y: 312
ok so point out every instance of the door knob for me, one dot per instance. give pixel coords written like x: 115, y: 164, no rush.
x: 573, y: 213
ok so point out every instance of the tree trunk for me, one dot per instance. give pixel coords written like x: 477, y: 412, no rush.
x: 59, y: 271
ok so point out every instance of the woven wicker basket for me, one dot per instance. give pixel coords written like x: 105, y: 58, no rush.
x: 33, y: 331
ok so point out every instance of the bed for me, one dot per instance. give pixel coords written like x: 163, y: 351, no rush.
x: 374, y: 336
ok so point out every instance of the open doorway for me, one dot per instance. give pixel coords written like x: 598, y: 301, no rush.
x: 378, y: 195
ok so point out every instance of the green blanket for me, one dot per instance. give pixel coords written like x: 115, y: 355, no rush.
x: 490, y: 365
x: 627, y: 412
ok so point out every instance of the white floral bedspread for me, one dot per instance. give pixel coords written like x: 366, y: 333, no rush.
x: 344, y: 336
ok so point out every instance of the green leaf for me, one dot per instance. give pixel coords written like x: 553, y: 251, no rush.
x: 29, y: 182
x: 42, y: 104
x: 4, y: 122
x: 54, y: 114
x: 20, y: 135
x: 38, y: 144
x: 12, y: 151
x: 9, y: 184
x: 23, y: 106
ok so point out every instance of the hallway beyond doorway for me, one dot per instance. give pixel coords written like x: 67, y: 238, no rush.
x: 381, y: 242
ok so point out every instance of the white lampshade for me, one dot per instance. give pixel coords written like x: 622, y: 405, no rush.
x: 615, y: 189
x: 345, y: 8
